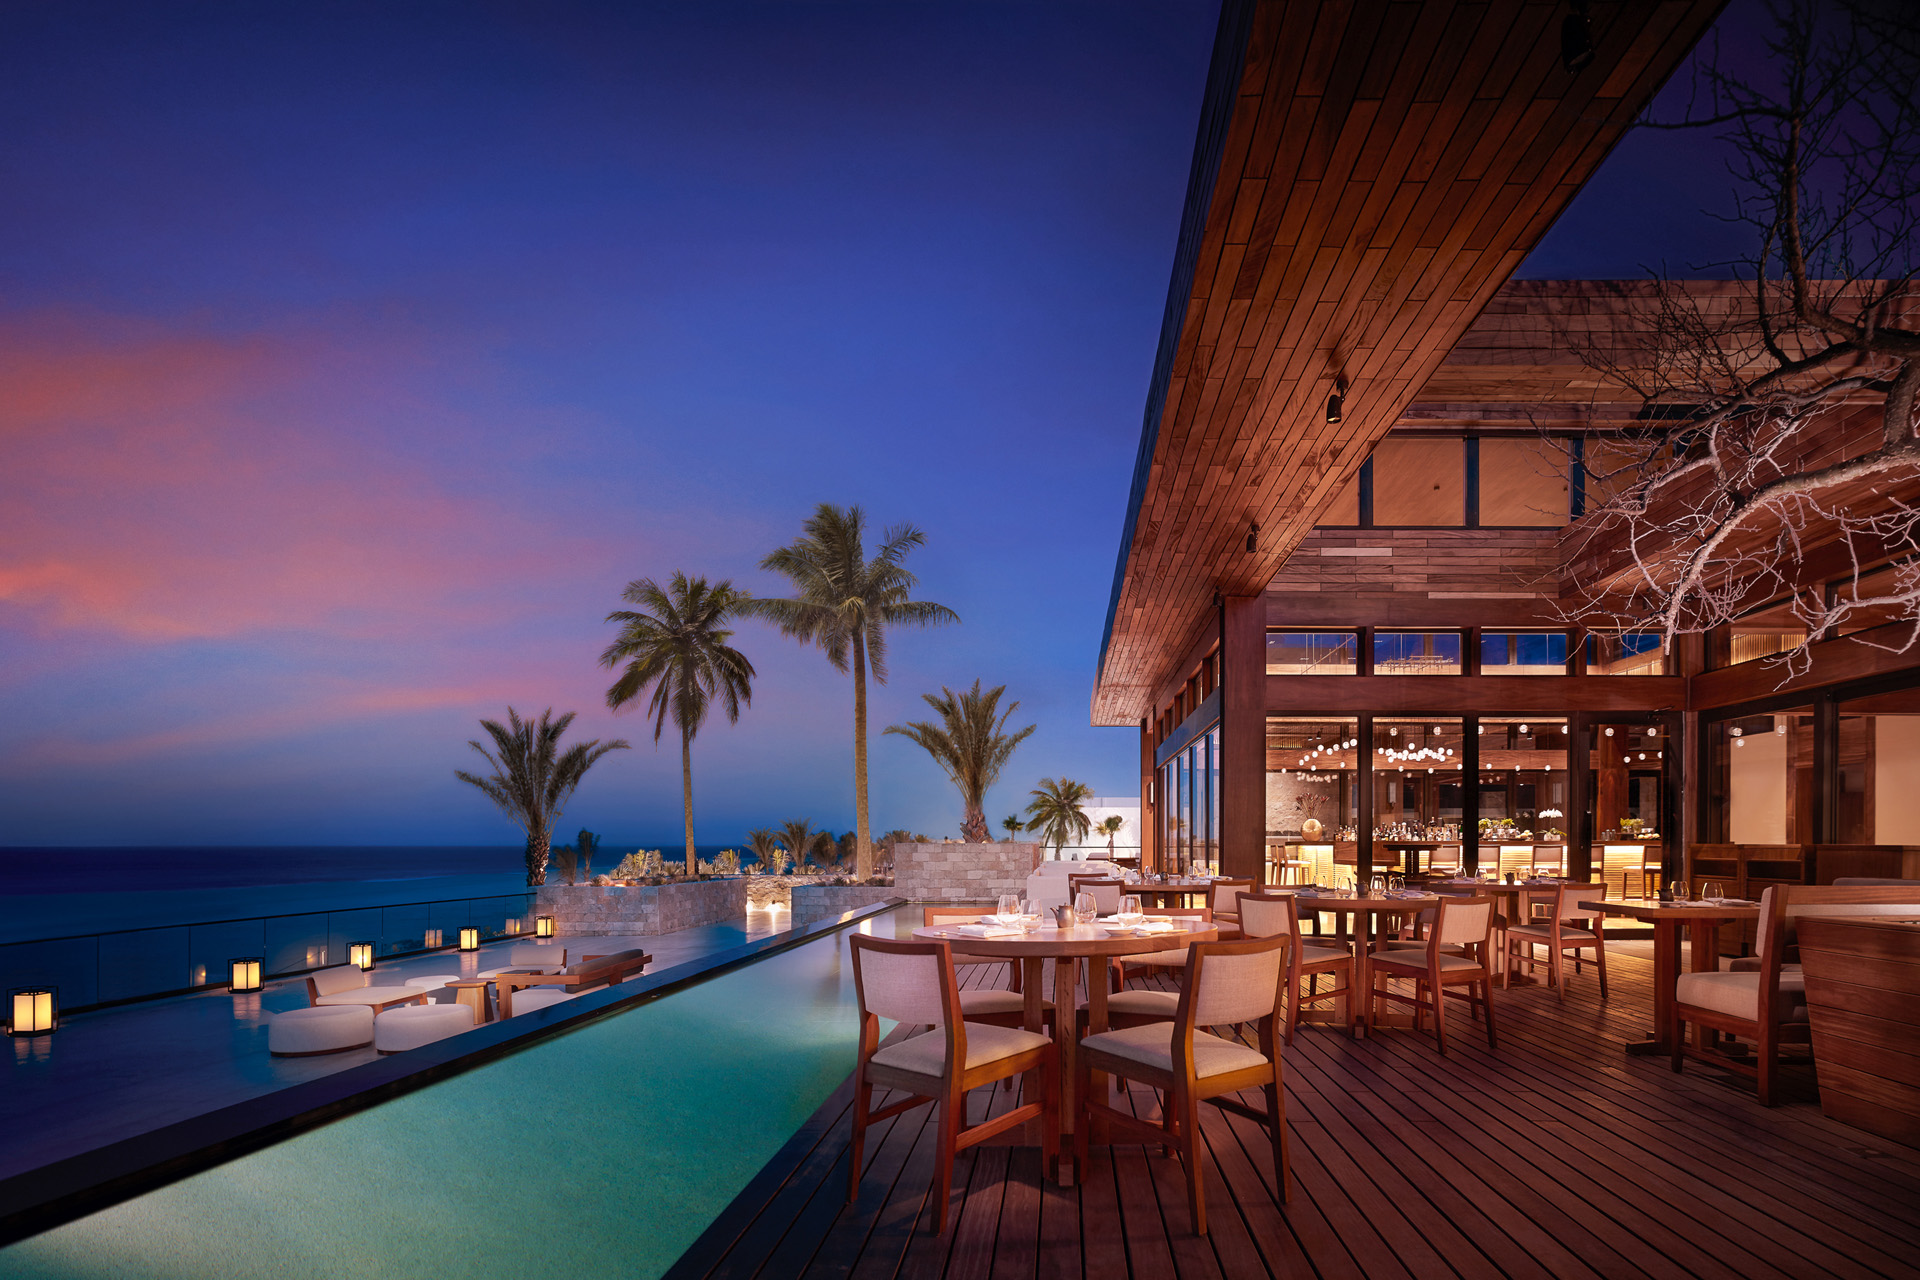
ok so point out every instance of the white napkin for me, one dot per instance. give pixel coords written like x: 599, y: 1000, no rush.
x: 987, y: 931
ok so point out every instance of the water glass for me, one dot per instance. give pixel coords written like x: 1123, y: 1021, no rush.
x: 1711, y: 891
x: 1396, y: 884
x: 1129, y: 907
x: 1376, y: 886
x: 1008, y: 906
x: 1085, y: 908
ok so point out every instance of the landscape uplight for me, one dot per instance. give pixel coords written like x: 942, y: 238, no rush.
x: 244, y: 974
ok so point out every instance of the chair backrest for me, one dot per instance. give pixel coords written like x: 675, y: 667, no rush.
x: 341, y: 977
x: 1106, y: 893
x: 1226, y: 895
x: 910, y: 982
x: 1268, y: 915
x: 1567, y: 905
x: 1463, y: 921
x: 527, y: 955
x: 1858, y: 881
x: 1782, y: 904
x: 1231, y: 982
x: 940, y: 915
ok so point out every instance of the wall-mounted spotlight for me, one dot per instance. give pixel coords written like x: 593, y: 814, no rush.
x: 1333, y: 405
x: 1253, y: 537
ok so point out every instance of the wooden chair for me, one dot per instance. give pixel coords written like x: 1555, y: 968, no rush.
x: 988, y: 1003
x: 1768, y: 1004
x: 1266, y: 915
x: 1224, y: 898
x: 576, y: 979
x: 1567, y: 929
x: 1459, y: 952
x: 913, y: 983
x: 1106, y: 891
x: 1138, y: 966
x: 1227, y: 983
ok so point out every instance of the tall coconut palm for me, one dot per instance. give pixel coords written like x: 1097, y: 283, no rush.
x: 677, y: 643
x: 1057, y: 812
x: 969, y: 745
x: 797, y: 835
x: 843, y: 602
x: 1014, y: 825
x: 1109, y: 827
x: 532, y: 777
x: 766, y: 848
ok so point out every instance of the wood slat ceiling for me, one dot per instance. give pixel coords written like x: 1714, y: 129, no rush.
x: 1385, y: 167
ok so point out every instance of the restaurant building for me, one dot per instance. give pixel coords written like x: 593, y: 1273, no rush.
x: 1342, y: 620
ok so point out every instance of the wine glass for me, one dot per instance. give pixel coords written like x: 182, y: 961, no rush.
x: 1085, y: 908
x: 1129, y: 909
x: 1376, y: 886
x: 1007, y: 907
x: 1396, y: 884
x: 1711, y: 891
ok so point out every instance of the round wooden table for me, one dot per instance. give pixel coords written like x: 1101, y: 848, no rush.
x: 1370, y: 913
x: 1067, y: 948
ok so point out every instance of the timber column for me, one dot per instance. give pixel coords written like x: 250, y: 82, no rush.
x: 1149, y: 802
x: 1243, y: 738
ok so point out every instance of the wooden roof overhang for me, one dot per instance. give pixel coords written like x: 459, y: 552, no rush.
x: 1367, y: 175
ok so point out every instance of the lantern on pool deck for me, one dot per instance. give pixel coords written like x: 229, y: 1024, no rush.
x: 33, y: 1011
x: 543, y: 926
x: 360, y: 955
x: 245, y: 971
x: 469, y: 939
x: 432, y: 940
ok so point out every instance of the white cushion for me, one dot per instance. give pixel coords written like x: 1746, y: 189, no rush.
x: 1047, y: 886
x: 1157, y: 960
x: 545, y: 957
x: 1137, y: 1003
x: 433, y: 981
x: 410, y: 1027
x: 373, y: 995
x: 1311, y: 954
x: 926, y: 1054
x: 1417, y: 960
x: 1152, y: 1046
x: 341, y: 977
x: 1738, y: 994
x: 321, y: 1029
x: 972, y: 1002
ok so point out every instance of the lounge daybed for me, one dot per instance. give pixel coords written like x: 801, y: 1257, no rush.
x: 588, y: 971
x: 530, y: 957
x: 346, y: 984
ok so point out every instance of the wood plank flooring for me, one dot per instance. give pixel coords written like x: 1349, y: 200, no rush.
x: 1556, y: 1156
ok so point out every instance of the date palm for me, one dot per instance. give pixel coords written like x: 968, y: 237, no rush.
x: 532, y: 777
x: 797, y: 835
x: 766, y: 847
x: 970, y: 745
x: 676, y: 642
x: 843, y: 602
x: 1109, y: 827
x: 1014, y: 825
x: 1057, y: 812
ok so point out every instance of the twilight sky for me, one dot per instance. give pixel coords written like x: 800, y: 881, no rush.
x: 353, y: 358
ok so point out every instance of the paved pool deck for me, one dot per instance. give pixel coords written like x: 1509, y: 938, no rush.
x: 119, y: 1072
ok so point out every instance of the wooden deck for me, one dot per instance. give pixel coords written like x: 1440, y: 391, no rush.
x: 1558, y: 1156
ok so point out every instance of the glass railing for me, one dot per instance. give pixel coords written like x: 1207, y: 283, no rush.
x: 140, y: 964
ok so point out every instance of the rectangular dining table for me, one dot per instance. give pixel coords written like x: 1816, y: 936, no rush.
x: 1702, y: 921
x: 1370, y: 913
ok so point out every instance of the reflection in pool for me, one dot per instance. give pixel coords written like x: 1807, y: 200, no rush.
x: 604, y: 1151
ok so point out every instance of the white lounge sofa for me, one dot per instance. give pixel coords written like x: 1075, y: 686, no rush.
x: 1047, y: 886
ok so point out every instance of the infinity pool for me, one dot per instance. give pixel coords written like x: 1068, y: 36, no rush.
x: 603, y: 1151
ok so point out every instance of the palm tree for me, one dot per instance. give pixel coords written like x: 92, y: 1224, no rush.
x: 1109, y: 827
x: 969, y: 745
x: 1014, y: 825
x: 532, y: 777
x: 844, y: 602
x: 766, y: 847
x: 677, y: 642
x: 797, y: 835
x: 1056, y: 813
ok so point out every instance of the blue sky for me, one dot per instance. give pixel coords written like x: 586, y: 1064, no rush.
x: 356, y: 356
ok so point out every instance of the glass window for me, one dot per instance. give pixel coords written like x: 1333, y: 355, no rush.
x: 1311, y: 793
x: 1523, y: 481
x: 1761, y: 783
x: 1522, y: 817
x: 1879, y: 758
x: 1625, y: 653
x: 1313, y: 653
x: 1418, y: 798
x: 1764, y: 633
x: 1420, y: 482
x: 1523, y: 653
x: 1416, y: 653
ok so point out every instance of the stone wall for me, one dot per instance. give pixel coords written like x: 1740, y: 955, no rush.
x: 962, y: 872
x: 599, y: 911
x: 814, y: 902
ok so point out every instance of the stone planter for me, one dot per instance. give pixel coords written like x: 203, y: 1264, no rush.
x: 962, y: 872
x: 600, y: 911
x: 813, y: 902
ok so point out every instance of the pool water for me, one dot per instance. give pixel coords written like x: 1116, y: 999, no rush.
x: 602, y: 1152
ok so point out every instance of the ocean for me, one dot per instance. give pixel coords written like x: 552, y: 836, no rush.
x: 57, y: 892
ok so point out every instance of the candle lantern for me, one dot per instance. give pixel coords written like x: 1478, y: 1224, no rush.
x: 35, y: 1010
x: 245, y: 974
x: 469, y: 939
x: 432, y: 941
x: 360, y: 955
x: 543, y: 926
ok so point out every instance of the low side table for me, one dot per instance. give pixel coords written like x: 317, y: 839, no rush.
x: 473, y: 994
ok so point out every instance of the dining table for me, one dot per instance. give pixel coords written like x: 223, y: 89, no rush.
x: 1511, y: 895
x: 1171, y: 893
x: 1370, y: 915
x: 1702, y: 921
x: 1096, y: 943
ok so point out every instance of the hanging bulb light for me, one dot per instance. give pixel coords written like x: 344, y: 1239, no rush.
x: 1738, y: 731
x: 1523, y: 728
x: 1653, y: 733
x: 1609, y: 731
